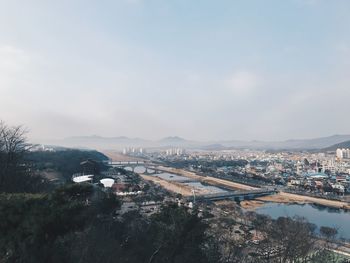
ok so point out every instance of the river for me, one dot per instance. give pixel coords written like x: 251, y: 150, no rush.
x: 196, y: 185
x: 320, y: 216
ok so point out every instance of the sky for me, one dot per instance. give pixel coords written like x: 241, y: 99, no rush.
x: 203, y: 70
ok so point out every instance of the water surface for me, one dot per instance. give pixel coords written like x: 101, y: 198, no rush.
x: 320, y: 216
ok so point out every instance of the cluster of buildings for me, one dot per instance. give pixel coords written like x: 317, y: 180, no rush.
x: 116, y: 179
x: 343, y: 153
x: 133, y: 151
x: 174, y: 151
x: 126, y: 185
x: 323, y: 184
x: 41, y: 148
x: 322, y: 173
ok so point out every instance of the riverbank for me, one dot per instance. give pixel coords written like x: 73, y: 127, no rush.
x: 284, y: 197
x: 208, y: 179
x: 288, y: 198
x: 281, y: 197
x: 174, y: 187
x: 251, y: 204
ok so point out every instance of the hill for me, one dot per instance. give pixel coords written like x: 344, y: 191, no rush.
x: 341, y: 145
x: 296, y: 144
x: 64, y: 162
x: 98, y: 142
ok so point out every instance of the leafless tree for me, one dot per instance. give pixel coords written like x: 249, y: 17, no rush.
x: 13, y: 146
x: 285, y: 240
x: 326, y: 245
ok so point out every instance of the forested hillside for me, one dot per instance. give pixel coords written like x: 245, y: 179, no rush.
x: 66, y: 162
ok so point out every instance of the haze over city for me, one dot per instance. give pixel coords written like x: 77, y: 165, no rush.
x: 203, y: 70
x: 175, y: 131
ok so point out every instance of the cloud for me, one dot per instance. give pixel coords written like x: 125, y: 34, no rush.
x: 123, y: 69
x: 12, y: 58
x: 243, y: 83
x: 343, y: 48
x: 14, y: 66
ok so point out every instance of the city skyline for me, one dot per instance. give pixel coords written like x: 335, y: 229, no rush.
x: 206, y: 71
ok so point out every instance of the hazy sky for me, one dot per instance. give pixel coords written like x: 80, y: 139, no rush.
x: 198, y: 69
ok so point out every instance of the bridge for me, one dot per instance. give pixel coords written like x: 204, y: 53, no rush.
x: 234, y: 195
x: 150, y: 168
x: 123, y: 163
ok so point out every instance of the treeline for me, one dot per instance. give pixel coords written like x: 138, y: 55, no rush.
x: 14, y: 173
x: 77, y: 223
x: 21, y: 170
x: 64, y: 227
x: 36, y: 227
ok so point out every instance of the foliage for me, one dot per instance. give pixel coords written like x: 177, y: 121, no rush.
x: 76, y: 222
x: 33, y: 226
x: 172, y: 235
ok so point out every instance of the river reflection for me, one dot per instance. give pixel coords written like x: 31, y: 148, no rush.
x: 320, y: 216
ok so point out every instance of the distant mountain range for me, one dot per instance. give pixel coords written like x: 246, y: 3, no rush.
x: 98, y: 142
x: 341, y: 145
x: 301, y: 144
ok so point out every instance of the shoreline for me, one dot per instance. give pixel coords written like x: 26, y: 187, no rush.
x: 208, y: 179
x: 174, y: 187
x: 287, y: 198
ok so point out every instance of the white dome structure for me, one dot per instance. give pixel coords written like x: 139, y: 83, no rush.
x: 107, y: 182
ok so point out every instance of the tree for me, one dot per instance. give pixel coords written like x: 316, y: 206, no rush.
x: 326, y: 245
x: 66, y: 161
x: 15, y: 175
x: 12, y: 148
x: 329, y: 233
x: 33, y: 226
x: 286, y: 240
x: 179, y: 236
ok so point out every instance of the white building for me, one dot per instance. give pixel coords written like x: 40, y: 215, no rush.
x: 343, y: 153
x: 329, y: 165
x: 174, y: 151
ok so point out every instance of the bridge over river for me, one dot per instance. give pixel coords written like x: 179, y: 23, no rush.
x: 150, y: 168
